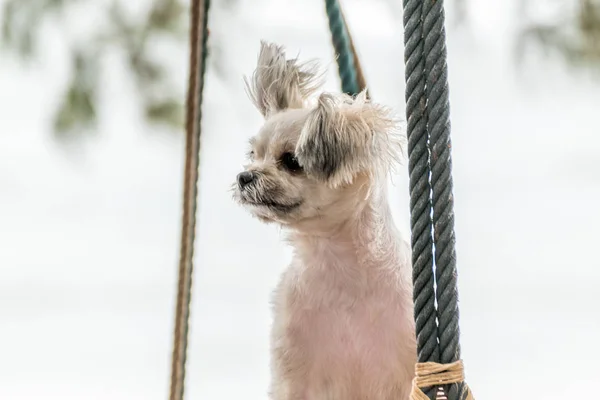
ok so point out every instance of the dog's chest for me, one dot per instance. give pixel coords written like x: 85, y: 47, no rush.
x: 359, y: 334
x: 348, y: 325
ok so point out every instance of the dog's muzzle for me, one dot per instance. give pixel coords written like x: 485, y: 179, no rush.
x: 245, y: 178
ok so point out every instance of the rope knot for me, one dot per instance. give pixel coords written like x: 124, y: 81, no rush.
x: 430, y: 374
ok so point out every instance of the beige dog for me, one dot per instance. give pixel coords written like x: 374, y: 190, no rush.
x: 343, y: 314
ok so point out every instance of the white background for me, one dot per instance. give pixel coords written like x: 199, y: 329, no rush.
x: 89, y: 233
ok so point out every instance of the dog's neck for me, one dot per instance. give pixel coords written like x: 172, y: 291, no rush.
x: 367, y: 236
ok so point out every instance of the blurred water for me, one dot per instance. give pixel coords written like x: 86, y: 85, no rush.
x: 89, y: 237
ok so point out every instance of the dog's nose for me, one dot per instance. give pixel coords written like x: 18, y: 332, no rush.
x: 245, y: 178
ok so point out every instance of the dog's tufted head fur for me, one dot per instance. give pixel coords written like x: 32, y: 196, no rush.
x: 312, y: 161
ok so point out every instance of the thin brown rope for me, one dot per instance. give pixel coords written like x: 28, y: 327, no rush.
x: 430, y: 374
x: 190, y: 189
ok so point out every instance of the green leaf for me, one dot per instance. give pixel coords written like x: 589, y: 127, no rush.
x: 166, y: 16
x: 167, y: 112
x: 77, y: 111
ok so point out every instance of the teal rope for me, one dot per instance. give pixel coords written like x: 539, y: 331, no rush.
x: 341, y: 45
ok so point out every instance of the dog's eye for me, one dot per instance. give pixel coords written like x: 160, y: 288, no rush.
x: 289, y: 161
x: 250, y: 155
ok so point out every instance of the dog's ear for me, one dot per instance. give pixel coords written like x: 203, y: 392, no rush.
x: 278, y: 84
x: 345, y: 136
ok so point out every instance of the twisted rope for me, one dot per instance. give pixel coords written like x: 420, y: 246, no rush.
x: 352, y: 79
x: 436, y: 71
x: 360, y: 77
x: 419, y: 186
x: 431, y: 205
x: 198, y: 37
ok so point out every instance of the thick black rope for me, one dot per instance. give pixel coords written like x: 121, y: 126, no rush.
x: 430, y: 165
x: 438, y: 108
x: 419, y: 187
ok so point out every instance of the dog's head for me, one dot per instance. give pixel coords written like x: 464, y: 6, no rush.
x: 311, y: 162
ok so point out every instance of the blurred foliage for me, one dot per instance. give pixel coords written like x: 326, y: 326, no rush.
x: 23, y: 20
x: 77, y: 110
x: 574, y: 35
x: 572, y: 31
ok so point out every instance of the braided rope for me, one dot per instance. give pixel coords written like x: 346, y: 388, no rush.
x: 348, y: 66
x: 419, y: 187
x: 360, y: 77
x: 430, y: 166
x: 198, y: 52
x: 441, y: 180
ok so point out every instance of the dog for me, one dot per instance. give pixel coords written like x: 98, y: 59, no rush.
x: 343, y: 324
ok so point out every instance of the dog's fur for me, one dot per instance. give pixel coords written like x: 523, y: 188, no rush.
x: 343, y: 314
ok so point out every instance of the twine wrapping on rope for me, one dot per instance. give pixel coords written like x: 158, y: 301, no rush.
x: 432, y: 374
x: 198, y: 52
